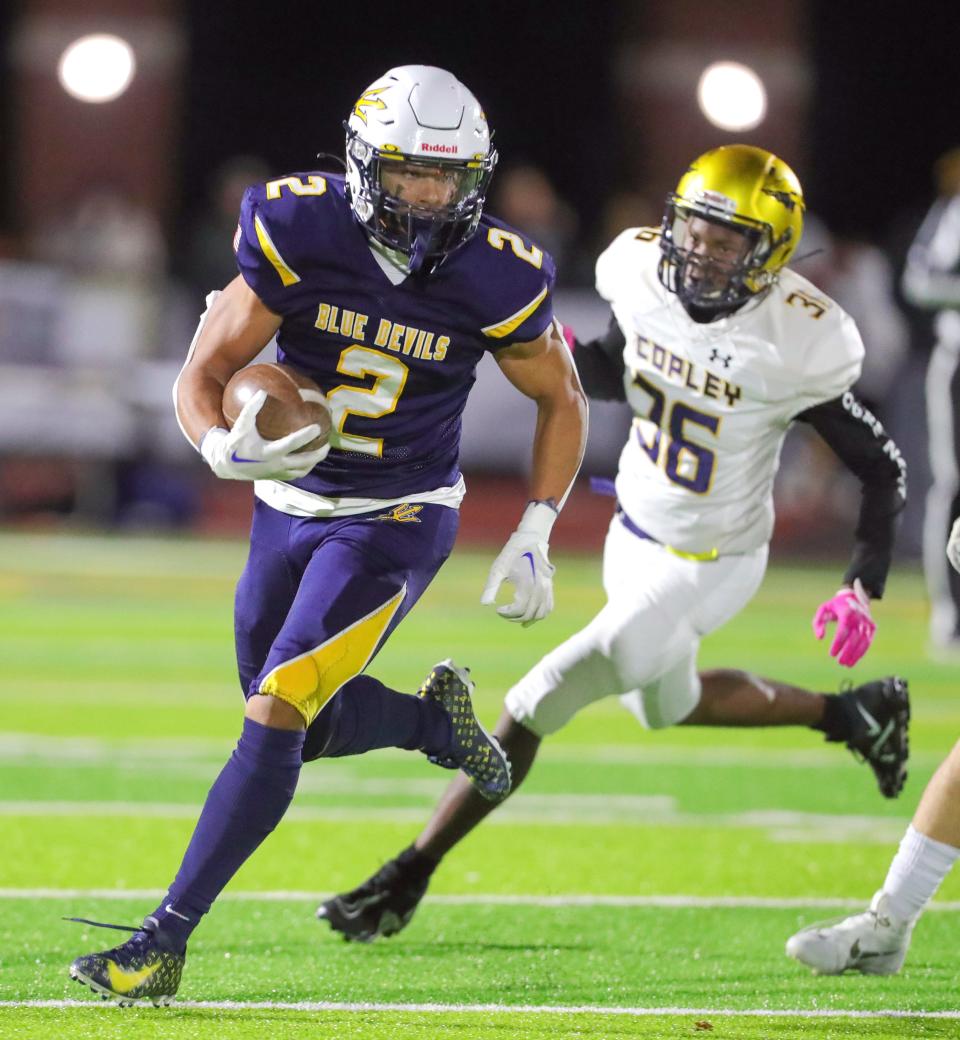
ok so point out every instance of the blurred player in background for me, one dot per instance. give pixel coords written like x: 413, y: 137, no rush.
x: 876, y: 941
x: 386, y: 287
x: 718, y: 348
x: 931, y: 279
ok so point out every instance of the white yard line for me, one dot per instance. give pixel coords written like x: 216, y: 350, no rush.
x: 31, y: 748
x: 527, y: 1009
x: 490, y: 899
x: 588, y: 810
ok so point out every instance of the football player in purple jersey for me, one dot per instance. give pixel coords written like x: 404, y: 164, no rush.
x: 386, y: 287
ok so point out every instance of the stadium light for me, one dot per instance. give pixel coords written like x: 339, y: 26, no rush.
x: 97, y: 68
x: 732, y: 96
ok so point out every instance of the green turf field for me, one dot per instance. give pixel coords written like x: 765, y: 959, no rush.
x: 640, y: 885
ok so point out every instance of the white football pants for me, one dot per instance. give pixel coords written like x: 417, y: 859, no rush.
x: 643, y: 644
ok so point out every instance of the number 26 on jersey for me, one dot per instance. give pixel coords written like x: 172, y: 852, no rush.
x: 683, y: 461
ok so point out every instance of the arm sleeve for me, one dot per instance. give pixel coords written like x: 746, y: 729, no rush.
x: 859, y: 440
x: 600, y: 364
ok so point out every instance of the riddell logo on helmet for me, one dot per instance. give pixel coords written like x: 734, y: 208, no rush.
x: 446, y: 149
x: 717, y: 200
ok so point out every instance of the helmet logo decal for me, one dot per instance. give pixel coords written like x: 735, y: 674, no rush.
x: 783, y: 197
x: 369, y: 99
x: 447, y: 149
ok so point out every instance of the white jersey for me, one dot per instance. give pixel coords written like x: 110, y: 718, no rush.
x: 712, y: 402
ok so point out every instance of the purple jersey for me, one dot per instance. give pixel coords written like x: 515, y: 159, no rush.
x: 395, y: 361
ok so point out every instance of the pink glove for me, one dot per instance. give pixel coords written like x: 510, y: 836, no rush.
x: 850, y: 608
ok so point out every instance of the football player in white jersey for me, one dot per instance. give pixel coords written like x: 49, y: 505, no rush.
x: 718, y: 348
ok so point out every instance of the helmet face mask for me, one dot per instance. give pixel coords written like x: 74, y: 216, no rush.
x: 713, y: 264
x: 728, y: 230
x: 419, y: 163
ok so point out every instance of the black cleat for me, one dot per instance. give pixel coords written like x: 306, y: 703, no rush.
x: 382, y: 905
x: 140, y: 971
x: 472, y: 749
x: 879, y: 717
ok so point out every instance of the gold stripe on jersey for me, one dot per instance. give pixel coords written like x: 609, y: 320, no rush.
x: 307, y: 682
x: 287, y: 274
x: 515, y: 320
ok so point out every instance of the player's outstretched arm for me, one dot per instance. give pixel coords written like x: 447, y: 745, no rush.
x: 235, y: 327
x: 542, y: 370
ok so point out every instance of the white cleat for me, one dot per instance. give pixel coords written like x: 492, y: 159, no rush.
x: 874, y: 943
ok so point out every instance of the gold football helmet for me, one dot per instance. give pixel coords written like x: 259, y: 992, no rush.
x: 729, y: 228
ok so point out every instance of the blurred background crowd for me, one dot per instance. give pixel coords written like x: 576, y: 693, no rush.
x: 118, y: 206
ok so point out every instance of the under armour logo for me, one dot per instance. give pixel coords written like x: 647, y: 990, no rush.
x: 724, y: 359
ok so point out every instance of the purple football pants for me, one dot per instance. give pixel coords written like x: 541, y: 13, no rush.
x: 308, y: 580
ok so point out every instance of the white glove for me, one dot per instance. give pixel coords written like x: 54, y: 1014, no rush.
x: 242, y: 454
x: 523, y: 562
x: 953, y: 545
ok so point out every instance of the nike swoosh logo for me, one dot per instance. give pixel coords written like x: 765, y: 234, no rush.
x: 125, y: 981
x: 529, y: 558
x: 236, y: 458
x: 873, y: 727
x: 857, y: 955
x: 354, y: 910
x: 881, y: 740
x: 169, y: 909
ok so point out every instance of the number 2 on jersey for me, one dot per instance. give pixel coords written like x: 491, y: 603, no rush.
x: 498, y: 236
x: 390, y: 377
x: 684, y: 461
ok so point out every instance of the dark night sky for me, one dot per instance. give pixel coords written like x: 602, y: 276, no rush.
x: 546, y: 95
x: 886, y: 98
x: 278, y: 78
x: 886, y: 105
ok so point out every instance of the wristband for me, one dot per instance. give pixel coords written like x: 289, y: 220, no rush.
x: 205, y: 442
x: 538, y: 519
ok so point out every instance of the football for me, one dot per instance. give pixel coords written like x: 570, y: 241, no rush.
x: 293, y: 401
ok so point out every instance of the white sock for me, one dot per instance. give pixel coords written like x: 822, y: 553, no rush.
x: 916, y: 872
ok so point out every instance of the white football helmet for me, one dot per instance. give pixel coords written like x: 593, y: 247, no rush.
x: 424, y: 122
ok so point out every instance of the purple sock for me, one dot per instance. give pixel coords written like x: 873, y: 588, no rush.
x: 246, y: 802
x: 365, y: 715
